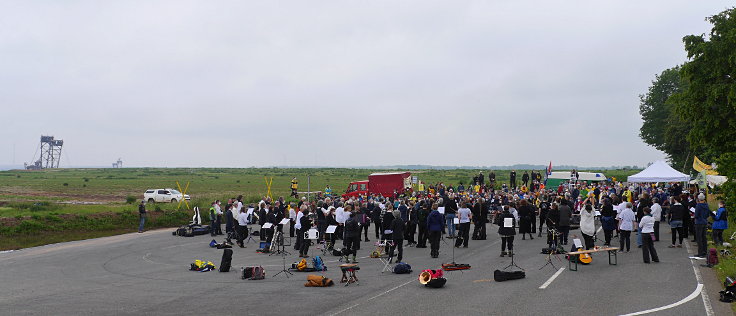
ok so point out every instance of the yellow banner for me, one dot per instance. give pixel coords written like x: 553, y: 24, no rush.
x: 700, y: 166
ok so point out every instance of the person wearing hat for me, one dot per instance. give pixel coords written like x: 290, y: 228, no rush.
x: 142, y: 214
x: 702, y: 212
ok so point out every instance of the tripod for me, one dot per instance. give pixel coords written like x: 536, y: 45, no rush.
x: 552, y: 251
x: 286, y: 272
x: 513, y: 264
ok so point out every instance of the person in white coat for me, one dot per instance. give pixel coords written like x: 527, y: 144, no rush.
x: 587, y: 225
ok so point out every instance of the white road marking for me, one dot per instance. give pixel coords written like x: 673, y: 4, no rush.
x: 552, y: 278
x: 694, y: 294
x: 374, y: 297
x: 699, y: 278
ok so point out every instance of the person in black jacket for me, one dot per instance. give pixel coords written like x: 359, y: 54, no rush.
x: 386, y: 221
x: 422, y: 223
x: 352, y: 235
x: 525, y: 179
x: 306, y: 224
x: 543, y: 210
x: 525, y: 219
x: 397, y: 226
x: 676, y: 217
x: 512, y: 181
x: 506, y: 233
x: 375, y: 214
x: 411, y: 224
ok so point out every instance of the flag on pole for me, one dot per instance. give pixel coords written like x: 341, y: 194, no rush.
x: 548, y: 172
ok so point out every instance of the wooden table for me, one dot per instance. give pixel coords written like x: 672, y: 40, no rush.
x: 612, y: 253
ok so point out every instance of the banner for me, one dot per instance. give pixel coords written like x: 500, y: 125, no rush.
x: 700, y: 166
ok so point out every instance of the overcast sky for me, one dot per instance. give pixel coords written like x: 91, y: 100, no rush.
x: 336, y: 83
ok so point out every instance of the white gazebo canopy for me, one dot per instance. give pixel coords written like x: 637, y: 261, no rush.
x: 659, y: 171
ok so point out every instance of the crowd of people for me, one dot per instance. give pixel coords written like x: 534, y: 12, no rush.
x: 423, y: 217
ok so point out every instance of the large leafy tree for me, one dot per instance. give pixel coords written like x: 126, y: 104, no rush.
x: 709, y: 101
x: 663, y: 128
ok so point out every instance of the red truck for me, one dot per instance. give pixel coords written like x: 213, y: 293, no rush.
x: 380, y: 184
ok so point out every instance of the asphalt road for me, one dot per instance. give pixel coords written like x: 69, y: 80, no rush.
x: 148, y: 273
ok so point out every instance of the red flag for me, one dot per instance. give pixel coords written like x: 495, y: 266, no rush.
x: 549, y: 169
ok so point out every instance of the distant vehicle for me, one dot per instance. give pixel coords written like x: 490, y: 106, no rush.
x: 164, y: 195
x: 385, y: 184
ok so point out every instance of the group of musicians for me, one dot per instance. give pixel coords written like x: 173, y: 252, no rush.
x: 421, y: 218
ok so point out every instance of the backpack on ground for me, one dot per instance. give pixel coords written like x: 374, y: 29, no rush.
x: 712, y: 258
x: 314, y: 280
x: 318, y: 264
x: 253, y: 273
x: 402, y: 268
x: 302, y: 265
x: 213, y: 243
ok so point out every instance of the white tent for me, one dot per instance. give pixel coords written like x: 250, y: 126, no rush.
x: 659, y: 171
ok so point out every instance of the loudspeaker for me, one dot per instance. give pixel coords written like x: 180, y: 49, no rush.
x: 227, y: 258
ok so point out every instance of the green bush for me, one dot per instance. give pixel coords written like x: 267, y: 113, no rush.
x: 30, y: 226
x: 65, y: 184
x: 130, y: 199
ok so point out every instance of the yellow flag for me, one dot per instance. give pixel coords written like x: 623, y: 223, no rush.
x: 700, y: 166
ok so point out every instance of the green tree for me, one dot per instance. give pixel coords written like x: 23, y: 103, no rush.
x: 709, y: 102
x: 663, y: 128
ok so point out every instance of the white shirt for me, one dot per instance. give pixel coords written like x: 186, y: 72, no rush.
x: 340, y: 215
x: 243, y: 219
x: 218, y: 210
x: 587, y: 222
x: 464, y: 215
x: 292, y: 214
x: 515, y: 213
x: 647, y: 224
x: 298, y: 224
x: 627, y: 218
x: 656, y: 212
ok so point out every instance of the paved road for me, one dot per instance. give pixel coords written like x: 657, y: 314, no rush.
x: 148, y: 273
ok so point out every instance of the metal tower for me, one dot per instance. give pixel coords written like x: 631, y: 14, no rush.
x: 50, y: 153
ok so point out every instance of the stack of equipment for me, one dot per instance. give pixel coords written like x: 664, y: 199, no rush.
x: 432, y: 278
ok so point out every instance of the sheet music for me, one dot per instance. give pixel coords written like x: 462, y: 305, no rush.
x: 284, y: 221
x: 578, y: 243
x: 267, y: 226
x: 441, y: 210
x: 597, y: 213
x: 508, y: 222
x: 331, y: 229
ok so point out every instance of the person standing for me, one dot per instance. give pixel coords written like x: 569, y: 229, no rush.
x: 543, y: 211
x: 626, y: 224
x: 720, y: 223
x: 376, y: 218
x: 294, y: 187
x: 435, y: 223
x: 218, y: 219
x: 512, y: 181
x: 142, y: 216
x: 450, y: 213
x: 397, y: 226
x: 506, y: 231
x: 563, y: 224
x: 242, y: 229
x: 608, y: 221
x: 525, y: 179
x: 352, y: 237
x: 702, y: 212
x: 587, y: 225
x: 647, y: 230
x: 676, y: 217
x: 464, y: 216
x: 525, y: 219
x: 657, y: 215
x: 213, y: 220
x: 305, y: 223
x: 422, y: 224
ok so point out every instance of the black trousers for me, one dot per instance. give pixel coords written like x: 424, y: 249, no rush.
x: 541, y: 224
x: 588, y: 242
x: 656, y: 230
x: 377, y: 226
x: 242, y: 233
x: 291, y: 228
x: 351, y: 246
x: 218, y: 225
x: 675, y: 232
x: 364, y: 228
x: 625, y: 239
x: 398, y: 245
x: 422, y: 236
x: 608, y: 234
x: 434, y: 240
x: 299, y: 239
x: 305, y: 243
x: 464, y: 233
x: 647, y: 247
x: 701, y: 239
x: 534, y: 225
x: 565, y: 230
x: 507, y: 242
x: 410, y: 230
x: 718, y: 236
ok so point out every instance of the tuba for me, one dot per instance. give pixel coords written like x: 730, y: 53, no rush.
x: 428, y: 275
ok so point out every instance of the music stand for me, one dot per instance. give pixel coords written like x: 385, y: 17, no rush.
x: 513, y: 264
x: 278, y: 238
x: 285, y: 271
x: 553, y: 249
